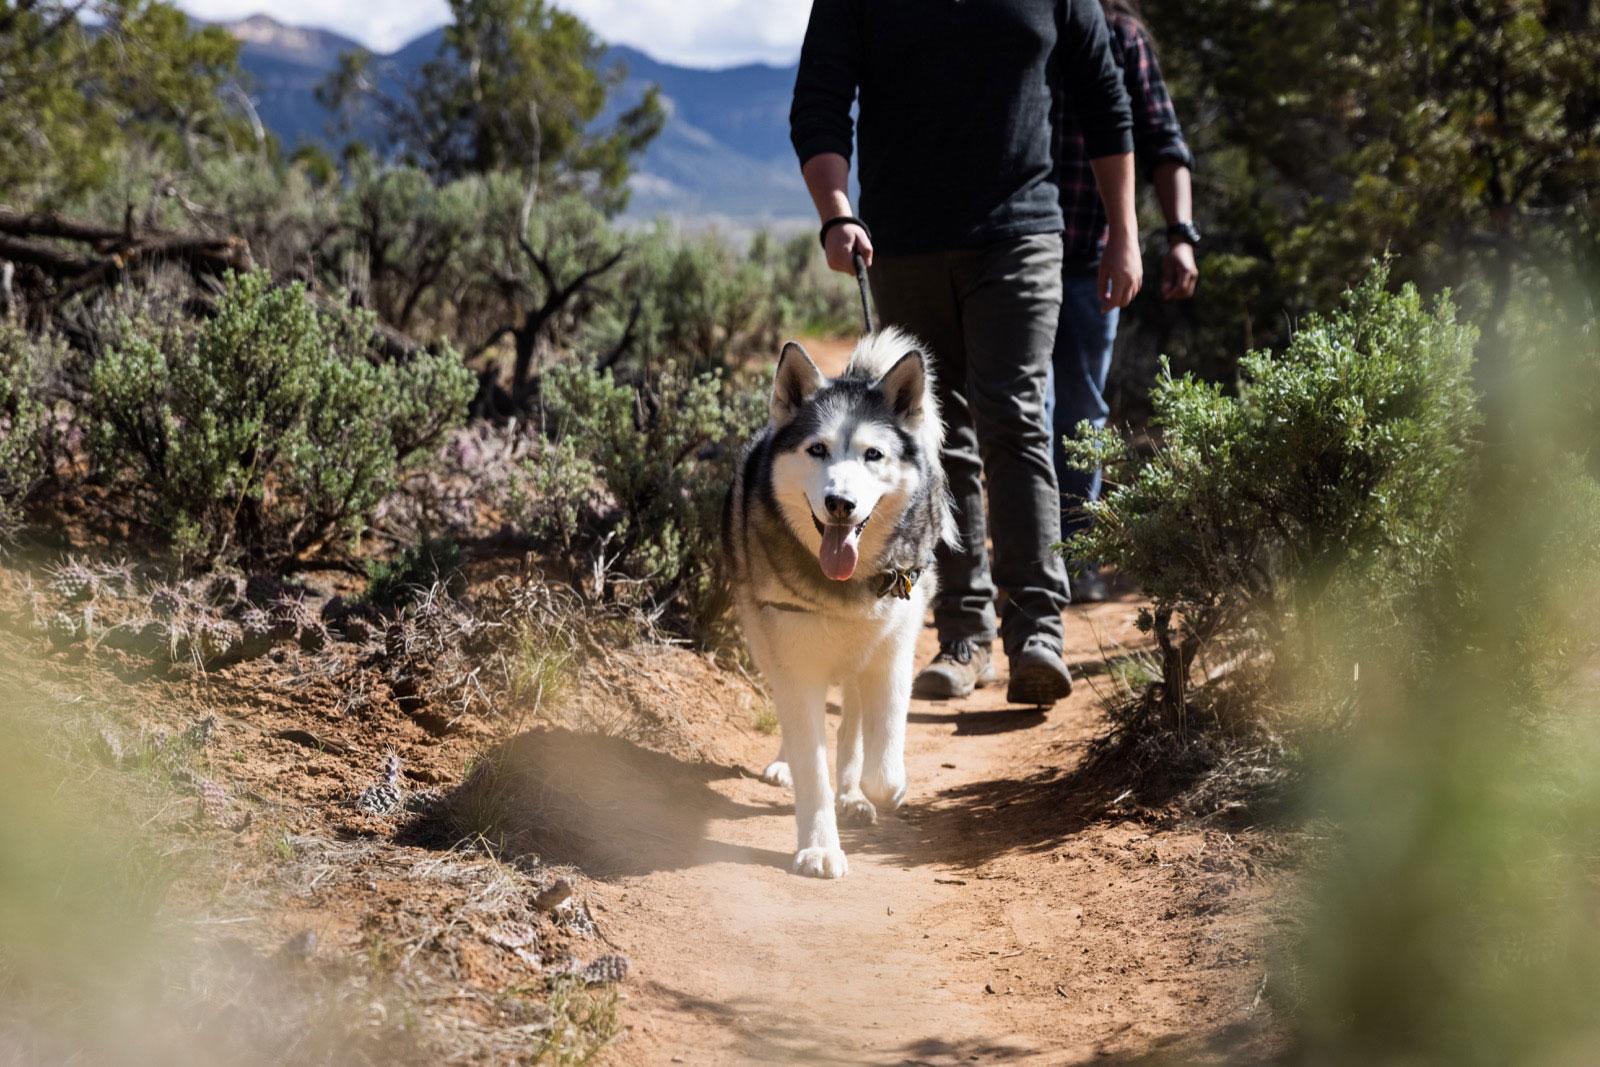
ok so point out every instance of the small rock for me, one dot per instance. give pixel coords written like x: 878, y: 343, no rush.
x: 554, y: 895
x: 301, y: 946
x: 108, y: 746
x: 311, y: 740
x: 213, y: 800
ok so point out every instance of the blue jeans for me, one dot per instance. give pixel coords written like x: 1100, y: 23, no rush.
x: 1078, y: 372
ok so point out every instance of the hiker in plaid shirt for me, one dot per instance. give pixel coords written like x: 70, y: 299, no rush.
x: 1087, y: 333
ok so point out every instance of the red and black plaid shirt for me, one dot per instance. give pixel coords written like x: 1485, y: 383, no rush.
x: 1157, y: 138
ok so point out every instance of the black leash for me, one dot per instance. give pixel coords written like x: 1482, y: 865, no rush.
x: 861, y: 266
x: 866, y: 296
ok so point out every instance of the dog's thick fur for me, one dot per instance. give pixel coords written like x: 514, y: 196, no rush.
x: 856, y: 453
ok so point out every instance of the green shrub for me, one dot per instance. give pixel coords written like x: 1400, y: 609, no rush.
x: 24, y: 365
x: 557, y: 490
x: 659, y: 453
x: 431, y: 561
x: 691, y: 299
x: 1338, y: 470
x: 808, y: 298
x: 269, y: 429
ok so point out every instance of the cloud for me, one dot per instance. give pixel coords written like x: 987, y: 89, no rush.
x: 381, y: 27
x: 702, y: 33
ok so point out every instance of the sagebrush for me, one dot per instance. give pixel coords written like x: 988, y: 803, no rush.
x: 269, y: 429
x: 24, y: 367
x: 634, y: 479
x: 1338, y: 470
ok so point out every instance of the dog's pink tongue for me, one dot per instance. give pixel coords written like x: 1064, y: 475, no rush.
x: 840, y: 552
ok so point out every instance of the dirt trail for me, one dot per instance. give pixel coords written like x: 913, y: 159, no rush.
x: 999, y: 917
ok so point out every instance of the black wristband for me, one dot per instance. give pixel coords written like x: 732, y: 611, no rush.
x: 842, y: 220
x: 1183, y: 233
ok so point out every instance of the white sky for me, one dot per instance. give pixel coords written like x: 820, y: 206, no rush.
x: 701, y: 33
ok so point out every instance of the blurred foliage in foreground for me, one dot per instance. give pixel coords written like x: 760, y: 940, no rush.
x: 1455, y: 918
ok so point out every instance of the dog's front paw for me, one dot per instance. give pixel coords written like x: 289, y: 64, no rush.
x: 777, y: 773
x: 821, y: 863
x: 856, y: 810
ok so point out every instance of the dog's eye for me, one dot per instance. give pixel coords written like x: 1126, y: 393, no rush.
x: 819, y: 450
x: 872, y: 455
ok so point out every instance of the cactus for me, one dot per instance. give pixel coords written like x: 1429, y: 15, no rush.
x: 385, y: 797
x: 165, y: 602
x: 64, y: 630
x: 74, y: 582
x: 604, y: 970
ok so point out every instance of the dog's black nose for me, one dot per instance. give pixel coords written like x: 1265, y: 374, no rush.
x: 840, y: 507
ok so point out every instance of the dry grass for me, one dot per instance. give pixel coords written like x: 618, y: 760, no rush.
x: 149, y: 913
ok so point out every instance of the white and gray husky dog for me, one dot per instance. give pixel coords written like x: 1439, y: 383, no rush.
x: 828, y: 536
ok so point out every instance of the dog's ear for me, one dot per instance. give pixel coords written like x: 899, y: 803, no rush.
x: 797, y: 379
x: 904, y: 386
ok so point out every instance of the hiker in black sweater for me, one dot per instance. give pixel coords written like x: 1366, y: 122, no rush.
x: 965, y: 252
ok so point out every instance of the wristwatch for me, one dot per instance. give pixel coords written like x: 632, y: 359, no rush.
x: 1183, y: 233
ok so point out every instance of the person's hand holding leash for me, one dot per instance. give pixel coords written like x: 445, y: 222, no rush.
x: 843, y: 243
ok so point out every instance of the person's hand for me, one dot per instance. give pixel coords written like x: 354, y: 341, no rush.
x: 1121, y: 273
x: 845, y: 242
x: 1179, y: 274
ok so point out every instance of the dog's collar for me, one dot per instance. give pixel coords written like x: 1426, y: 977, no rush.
x: 898, y: 583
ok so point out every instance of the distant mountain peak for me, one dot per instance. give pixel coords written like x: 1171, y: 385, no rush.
x: 270, y: 35
x: 724, y: 152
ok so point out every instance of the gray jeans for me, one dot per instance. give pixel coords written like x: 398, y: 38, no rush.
x: 989, y: 315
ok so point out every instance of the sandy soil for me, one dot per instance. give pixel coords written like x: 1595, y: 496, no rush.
x: 1001, y: 916
x: 1022, y: 907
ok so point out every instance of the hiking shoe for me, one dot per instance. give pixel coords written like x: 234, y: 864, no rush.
x: 1088, y: 587
x: 960, y: 667
x: 1039, y: 676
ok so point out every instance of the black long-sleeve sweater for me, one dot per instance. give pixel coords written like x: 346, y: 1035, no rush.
x: 956, y: 95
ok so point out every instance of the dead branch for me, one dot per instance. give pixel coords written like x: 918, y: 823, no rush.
x: 59, y: 273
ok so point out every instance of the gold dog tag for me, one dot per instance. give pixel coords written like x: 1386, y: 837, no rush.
x: 902, y: 585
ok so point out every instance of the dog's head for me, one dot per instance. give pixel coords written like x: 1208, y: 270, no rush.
x: 849, y: 452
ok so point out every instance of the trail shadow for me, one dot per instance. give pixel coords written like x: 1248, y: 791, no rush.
x: 980, y: 723
x: 1257, y: 1042
x: 970, y: 824
x: 600, y: 803
x: 764, y: 1034
x: 938, y: 1050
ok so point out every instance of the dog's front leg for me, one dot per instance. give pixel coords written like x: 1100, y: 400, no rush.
x: 885, y: 687
x: 853, y: 806
x: 802, y: 710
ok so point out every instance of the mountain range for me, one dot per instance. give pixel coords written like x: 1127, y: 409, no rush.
x: 723, y: 155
